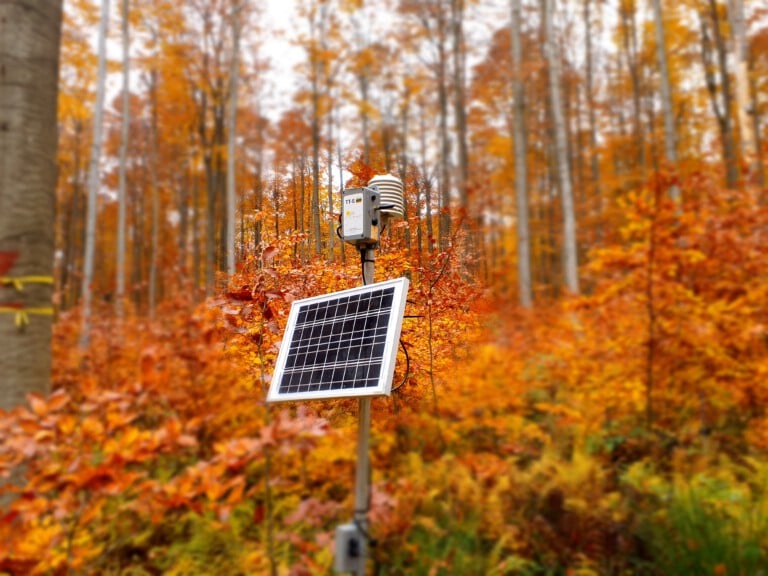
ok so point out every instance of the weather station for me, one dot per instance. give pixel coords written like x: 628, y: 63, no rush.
x: 344, y: 345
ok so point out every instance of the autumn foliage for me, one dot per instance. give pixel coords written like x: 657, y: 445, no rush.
x: 607, y: 158
x: 620, y: 432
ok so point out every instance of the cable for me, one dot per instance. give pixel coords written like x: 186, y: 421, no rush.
x: 407, y: 366
x: 363, y: 531
x: 362, y: 263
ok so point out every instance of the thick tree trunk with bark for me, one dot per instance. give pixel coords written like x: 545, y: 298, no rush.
x: 30, y: 32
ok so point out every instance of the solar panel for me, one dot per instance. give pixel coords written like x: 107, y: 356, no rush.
x: 341, y: 345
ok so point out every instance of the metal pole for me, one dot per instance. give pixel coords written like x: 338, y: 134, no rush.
x: 362, y: 477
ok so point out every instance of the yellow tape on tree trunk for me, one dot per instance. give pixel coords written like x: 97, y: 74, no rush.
x: 19, y: 281
x: 22, y: 314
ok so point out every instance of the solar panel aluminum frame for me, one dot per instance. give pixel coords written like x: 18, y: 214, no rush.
x: 383, y: 385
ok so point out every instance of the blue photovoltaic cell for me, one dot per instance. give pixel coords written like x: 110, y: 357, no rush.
x: 338, y: 344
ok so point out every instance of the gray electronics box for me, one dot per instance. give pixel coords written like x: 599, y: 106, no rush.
x: 349, y: 549
x: 360, y: 216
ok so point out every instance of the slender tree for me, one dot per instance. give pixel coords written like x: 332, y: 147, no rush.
x: 94, y: 179
x: 460, y: 101
x: 234, y: 75
x: 570, y: 252
x: 743, y: 100
x: 122, y: 168
x: 670, y: 132
x: 521, y: 161
x: 716, y: 73
x: 590, y: 96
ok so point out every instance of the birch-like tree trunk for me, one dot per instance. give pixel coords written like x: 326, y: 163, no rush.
x: 589, y: 88
x: 445, y: 142
x: 234, y: 76
x: 521, y: 165
x: 94, y: 179
x: 670, y: 132
x: 30, y: 32
x: 743, y: 100
x: 570, y: 253
x: 460, y: 104
x: 121, y: 192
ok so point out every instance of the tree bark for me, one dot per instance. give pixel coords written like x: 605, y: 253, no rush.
x: 445, y: 144
x: 525, y: 293
x: 460, y: 105
x: 154, y: 161
x: 670, y: 132
x: 121, y: 203
x: 94, y: 178
x: 720, y: 93
x: 594, y: 152
x: 234, y: 76
x: 743, y: 100
x: 629, y: 28
x: 570, y: 254
x: 30, y: 32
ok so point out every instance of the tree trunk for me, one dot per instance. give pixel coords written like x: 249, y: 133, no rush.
x: 720, y: 99
x: 94, y: 178
x: 403, y: 163
x: 445, y: 148
x: 30, y: 32
x: 570, y: 259
x: 521, y: 169
x: 196, y: 258
x: 670, y: 132
x: 426, y: 182
x: 594, y: 152
x: 234, y: 75
x: 460, y: 105
x: 756, y: 131
x: 155, y: 190
x: 329, y: 153
x: 121, y: 203
x: 629, y: 32
x: 743, y: 100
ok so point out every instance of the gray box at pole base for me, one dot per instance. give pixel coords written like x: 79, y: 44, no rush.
x: 360, y: 215
x: 349, y: 549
